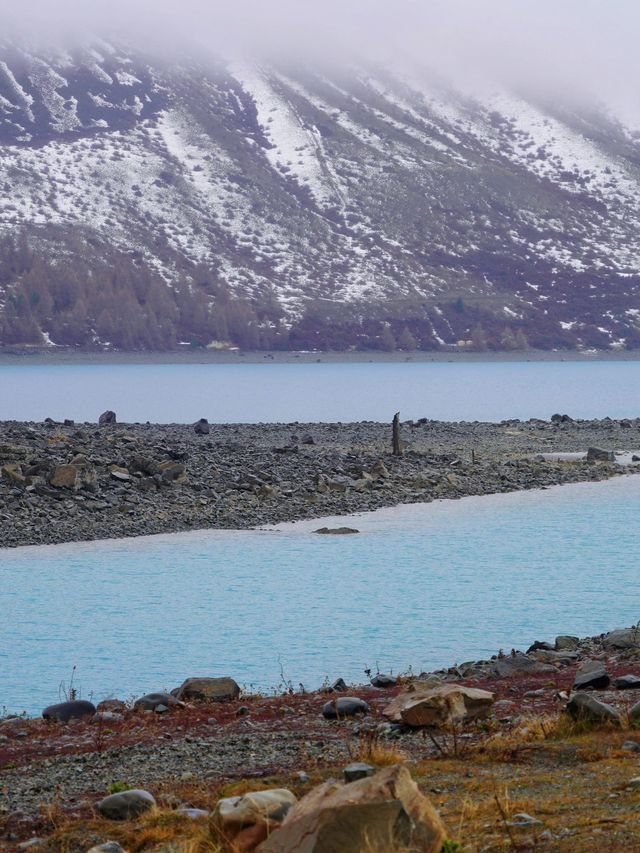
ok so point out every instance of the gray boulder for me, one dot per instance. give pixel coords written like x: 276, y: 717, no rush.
x: 381, y: 680
x: 540, y: 646
x: 519, y: 664
x: 596, y: 454
x: 107, y: 847
x: 201, y: 427
x: 357, y: 770
x: 151, y: 701
x: 193, y: 814
x: 627, y: 682
x: 345, y: 706
x: 126, y: 804
x: 622, y: 638
x: 107, y: 417
x: 591, y: 678
x: 65, y: 711
x: 586, y: 708
x: 207, y: 690
x: 566, y: 643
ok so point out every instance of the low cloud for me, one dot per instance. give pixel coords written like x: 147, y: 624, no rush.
x: 584, y: 48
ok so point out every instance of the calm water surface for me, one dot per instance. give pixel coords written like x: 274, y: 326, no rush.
x: 253, y: 393
x: 421, y: 586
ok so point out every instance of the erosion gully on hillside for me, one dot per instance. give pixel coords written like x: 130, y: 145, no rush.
x: 68, y: 482
x: 575, y: 781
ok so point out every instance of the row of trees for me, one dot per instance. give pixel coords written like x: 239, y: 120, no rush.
x: 95, y: 296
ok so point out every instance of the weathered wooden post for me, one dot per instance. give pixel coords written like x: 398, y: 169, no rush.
x: 395, y: 426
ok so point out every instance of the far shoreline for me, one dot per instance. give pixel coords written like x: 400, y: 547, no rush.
x: 55, y: 356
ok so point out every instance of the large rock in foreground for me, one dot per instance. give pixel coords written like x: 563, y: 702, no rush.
x: 378, y: 814
x: 439, y: 706
x: 207, y: 690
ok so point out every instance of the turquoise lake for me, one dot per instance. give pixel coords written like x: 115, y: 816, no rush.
x: 254, y: 393
x: 421, y: 586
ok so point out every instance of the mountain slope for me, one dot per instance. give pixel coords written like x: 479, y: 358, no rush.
x: 303, y: 207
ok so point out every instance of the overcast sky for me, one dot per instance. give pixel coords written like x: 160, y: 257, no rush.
x: 587, y: 47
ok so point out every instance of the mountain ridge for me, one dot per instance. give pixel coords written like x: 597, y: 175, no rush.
x: 277, y: 207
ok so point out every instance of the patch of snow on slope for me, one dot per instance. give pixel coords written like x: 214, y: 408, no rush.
x: 23, y: 98
x: 553, y: 150
x: 297, y: 147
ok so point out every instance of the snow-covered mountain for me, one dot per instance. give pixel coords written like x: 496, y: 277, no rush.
x: 356, y: 200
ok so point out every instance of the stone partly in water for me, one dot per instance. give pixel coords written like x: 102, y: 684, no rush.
x: 126, y: 804
x: 207, y: 690
x: 151, y: 701
x: 336, y: 531
x: 596, y: 454
x: 378, y: 814
x: 73, y: 710
x: 345, y: 706
x: 586, y: 708
x: 439, y: 706
x: 247, y: 820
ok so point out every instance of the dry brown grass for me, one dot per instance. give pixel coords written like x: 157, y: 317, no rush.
x: 572, y: 778
x: 370, y: 748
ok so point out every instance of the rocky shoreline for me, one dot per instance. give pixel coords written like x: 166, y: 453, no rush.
x: 64, y: 482
x: 509, y: 713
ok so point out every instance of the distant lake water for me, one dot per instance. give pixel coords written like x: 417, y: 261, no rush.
x: 254, y: 393
x: 422, y: 586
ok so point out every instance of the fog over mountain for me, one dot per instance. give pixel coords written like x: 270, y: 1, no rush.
x: 304, y: 174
